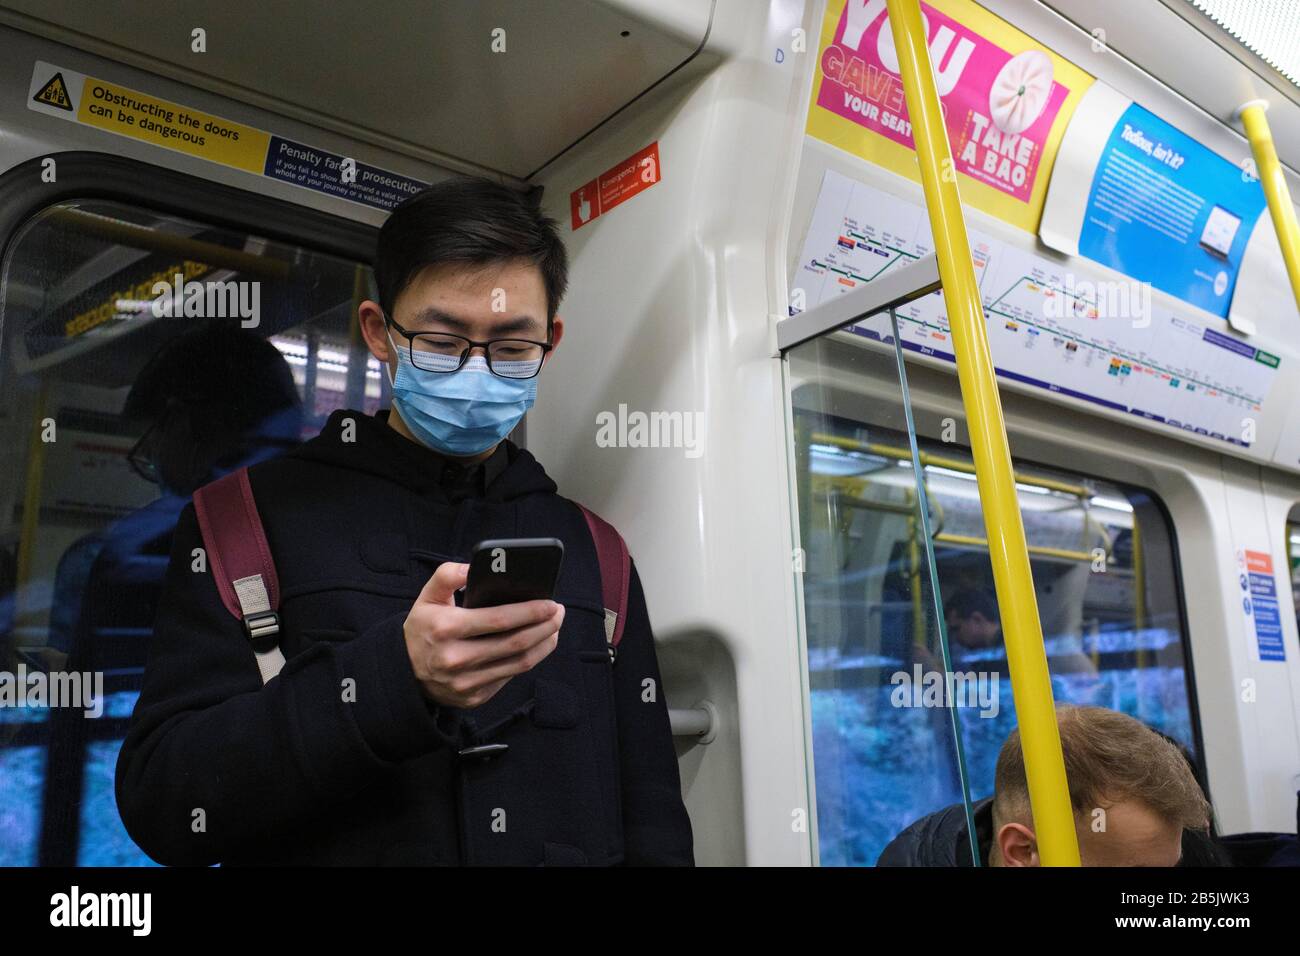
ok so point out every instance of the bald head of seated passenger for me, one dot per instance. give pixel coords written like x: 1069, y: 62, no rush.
x: 1132, y: 791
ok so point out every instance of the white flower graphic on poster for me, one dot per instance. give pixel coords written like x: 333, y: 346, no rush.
x: 1020, y: 91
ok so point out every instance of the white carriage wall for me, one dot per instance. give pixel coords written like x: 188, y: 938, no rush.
x: 669, y: 311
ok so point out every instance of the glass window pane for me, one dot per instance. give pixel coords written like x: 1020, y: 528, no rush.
x: 1104, y: 570
x: 200, y: 348
x: 885, y: 749
x: 1103, y: 564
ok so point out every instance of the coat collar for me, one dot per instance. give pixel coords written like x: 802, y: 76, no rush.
x: 356, y: 441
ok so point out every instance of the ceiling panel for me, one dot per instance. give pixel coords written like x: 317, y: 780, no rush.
x: 1169, y: 41
x: 417, y: 72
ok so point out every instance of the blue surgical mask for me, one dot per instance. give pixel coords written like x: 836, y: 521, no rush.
x: 464, y: 412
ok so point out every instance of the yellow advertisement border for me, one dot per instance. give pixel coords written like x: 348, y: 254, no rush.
x: 847, y: 135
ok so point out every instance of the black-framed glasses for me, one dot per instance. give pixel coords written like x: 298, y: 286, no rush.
x: 445, y: 352
x: 140, y: 457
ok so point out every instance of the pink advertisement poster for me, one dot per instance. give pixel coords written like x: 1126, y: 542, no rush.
x: 998, y: 108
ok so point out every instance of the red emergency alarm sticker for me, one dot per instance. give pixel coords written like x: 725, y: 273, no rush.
x: 617, y: 184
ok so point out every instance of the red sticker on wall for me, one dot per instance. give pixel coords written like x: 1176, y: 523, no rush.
x: 1259, y: 562
x: 617, y: 184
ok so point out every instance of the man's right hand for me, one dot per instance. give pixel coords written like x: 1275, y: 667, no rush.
x: 463, y: 656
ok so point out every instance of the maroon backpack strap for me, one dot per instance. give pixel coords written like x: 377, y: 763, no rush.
x: 615, y: 576
x: 241, y: 563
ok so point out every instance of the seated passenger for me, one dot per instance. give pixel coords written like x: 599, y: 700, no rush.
x: 973, y: 619
x: 974, y: 624
x: 1136, y: 803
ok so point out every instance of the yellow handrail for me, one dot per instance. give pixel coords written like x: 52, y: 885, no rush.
x: 952, y: 464
x: 33, y: 495
x: 1031, y: 684
x: 1139, y: 590
x: 946, y: 537
x: 919, y: 630
x: 853, y: 499
x: 1275, y: 191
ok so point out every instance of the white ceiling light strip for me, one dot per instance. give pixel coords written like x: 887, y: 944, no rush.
x: 1268, y: 28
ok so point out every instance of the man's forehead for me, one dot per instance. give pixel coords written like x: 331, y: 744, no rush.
x: 470, y: 282
x: 434, y: 317
x: 453, y: 296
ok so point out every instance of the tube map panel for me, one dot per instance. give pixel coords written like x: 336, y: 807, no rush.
x: 1103, y: 342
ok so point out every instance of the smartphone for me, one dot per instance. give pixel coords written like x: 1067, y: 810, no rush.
x: 510, y: 570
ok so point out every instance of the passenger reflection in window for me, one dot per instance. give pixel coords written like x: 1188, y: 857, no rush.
x: 975, y: 624
x: 209, y: 401
x: 973, y: 620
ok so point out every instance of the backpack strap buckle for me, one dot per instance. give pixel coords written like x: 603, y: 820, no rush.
x: 241, y: 563
x: 611, y: 629
x: 262, y: 624
x: 260, y: 619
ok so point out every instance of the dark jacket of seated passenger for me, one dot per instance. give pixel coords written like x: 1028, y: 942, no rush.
x: 218, y: 768
x: 940, y: 839
x: 1265, y: 849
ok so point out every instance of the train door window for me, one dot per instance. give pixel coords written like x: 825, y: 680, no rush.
x: 141, y: 353
x: 1103, y: 564
x: 1105, y: 578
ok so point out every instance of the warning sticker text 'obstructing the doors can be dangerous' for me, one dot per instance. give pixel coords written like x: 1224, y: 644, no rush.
x: 90, y: 101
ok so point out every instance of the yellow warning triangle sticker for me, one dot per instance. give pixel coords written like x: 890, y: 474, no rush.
x: 55, y: 93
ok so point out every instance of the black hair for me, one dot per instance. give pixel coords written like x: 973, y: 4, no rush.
x: 474, y: 221
x: 967, y: 601
x: 222, y: 370
x: 1200, y: 847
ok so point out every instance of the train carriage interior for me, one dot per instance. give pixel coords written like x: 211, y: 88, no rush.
x: 759, y: 246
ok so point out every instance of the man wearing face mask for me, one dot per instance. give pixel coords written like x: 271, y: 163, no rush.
x: 405, y: 729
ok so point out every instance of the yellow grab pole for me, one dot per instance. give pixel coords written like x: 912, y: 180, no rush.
x: 1275, y: 191
x: 1030, y: 682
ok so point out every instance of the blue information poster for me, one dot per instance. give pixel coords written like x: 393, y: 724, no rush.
x: 1259, y: 602
x: 1164, y: 209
